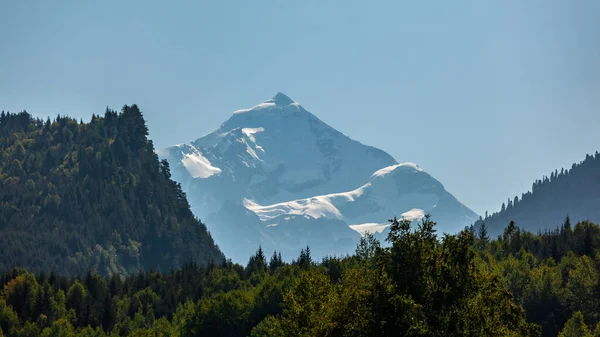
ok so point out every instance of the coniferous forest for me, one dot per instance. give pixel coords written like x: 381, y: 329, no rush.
x: 77, y: 196
x: 574, y: 192
x: 519, y: 284
x: 97, y: 240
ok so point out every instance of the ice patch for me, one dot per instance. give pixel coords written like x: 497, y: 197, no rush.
x: 370, y: 228
x: 251, y: 152
x: 198, y: 166
x: 251, y: 131
x: 413, y: 214
x: 315, y: 207
x: 373, y: 227
x: 261, y: 106
x: 387, y: 170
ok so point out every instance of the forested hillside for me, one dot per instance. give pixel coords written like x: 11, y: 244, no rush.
x: 77, y: 196
x: 574, y: 192
x: 521, y: 284
x: 420, y: 286
x: 92, y: 230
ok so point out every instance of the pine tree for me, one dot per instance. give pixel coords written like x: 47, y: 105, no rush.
x: 257, y: 262
x: 483, y: 235
x: 305, y: 259
x: 275, y: 262
x: 567, y: 223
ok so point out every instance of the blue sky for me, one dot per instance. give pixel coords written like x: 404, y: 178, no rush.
x: 484, y: 95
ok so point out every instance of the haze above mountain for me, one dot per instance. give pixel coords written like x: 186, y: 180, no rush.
x: 276, y: 175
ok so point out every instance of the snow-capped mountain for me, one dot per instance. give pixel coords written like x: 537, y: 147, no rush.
x: 277, y: 175
x: 397, y: 187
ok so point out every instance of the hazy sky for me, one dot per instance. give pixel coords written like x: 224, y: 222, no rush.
x: 484, y: 95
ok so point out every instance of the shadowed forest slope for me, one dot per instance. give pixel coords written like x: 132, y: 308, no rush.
x: 76, y: 196
x: 573, y: 192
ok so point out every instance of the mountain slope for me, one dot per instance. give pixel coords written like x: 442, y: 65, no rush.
x: 574, y: 192
x: 77, y: 195
x: 397, y: 187
x: 274, y: 152
x: 277, y: 155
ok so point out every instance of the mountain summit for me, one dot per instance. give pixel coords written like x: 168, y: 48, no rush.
x: 277, y: 156
x: 273, y: 153
x: 280, y: 99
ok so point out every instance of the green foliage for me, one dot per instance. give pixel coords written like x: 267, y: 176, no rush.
x: 8, y: 317
x: 552, y: 275
x: 225, y: 314
x: 575, y: 327
x: 418, y: 285
x: 93, y: 202
x: 76, y: 300
x: 79, y: 196
x: 21, y: 294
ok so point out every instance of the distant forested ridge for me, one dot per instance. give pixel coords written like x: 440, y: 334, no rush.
x: 574, y: 192
x: 80, y: 196
x: 419, y: 286
x: 521, y: 284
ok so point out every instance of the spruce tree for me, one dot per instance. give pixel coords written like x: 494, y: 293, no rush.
x: 483, y: 235
x: 567, y: 223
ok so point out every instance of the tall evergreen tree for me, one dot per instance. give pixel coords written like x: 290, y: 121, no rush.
x: 483, y: 235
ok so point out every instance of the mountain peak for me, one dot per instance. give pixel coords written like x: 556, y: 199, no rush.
x: 308, y: 181
x: 281, y: 99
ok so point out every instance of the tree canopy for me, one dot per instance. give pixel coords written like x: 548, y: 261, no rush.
x: 417, y: 285
x: 76, y: 196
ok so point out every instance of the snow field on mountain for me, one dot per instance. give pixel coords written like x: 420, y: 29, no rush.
x: 198, y: 166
